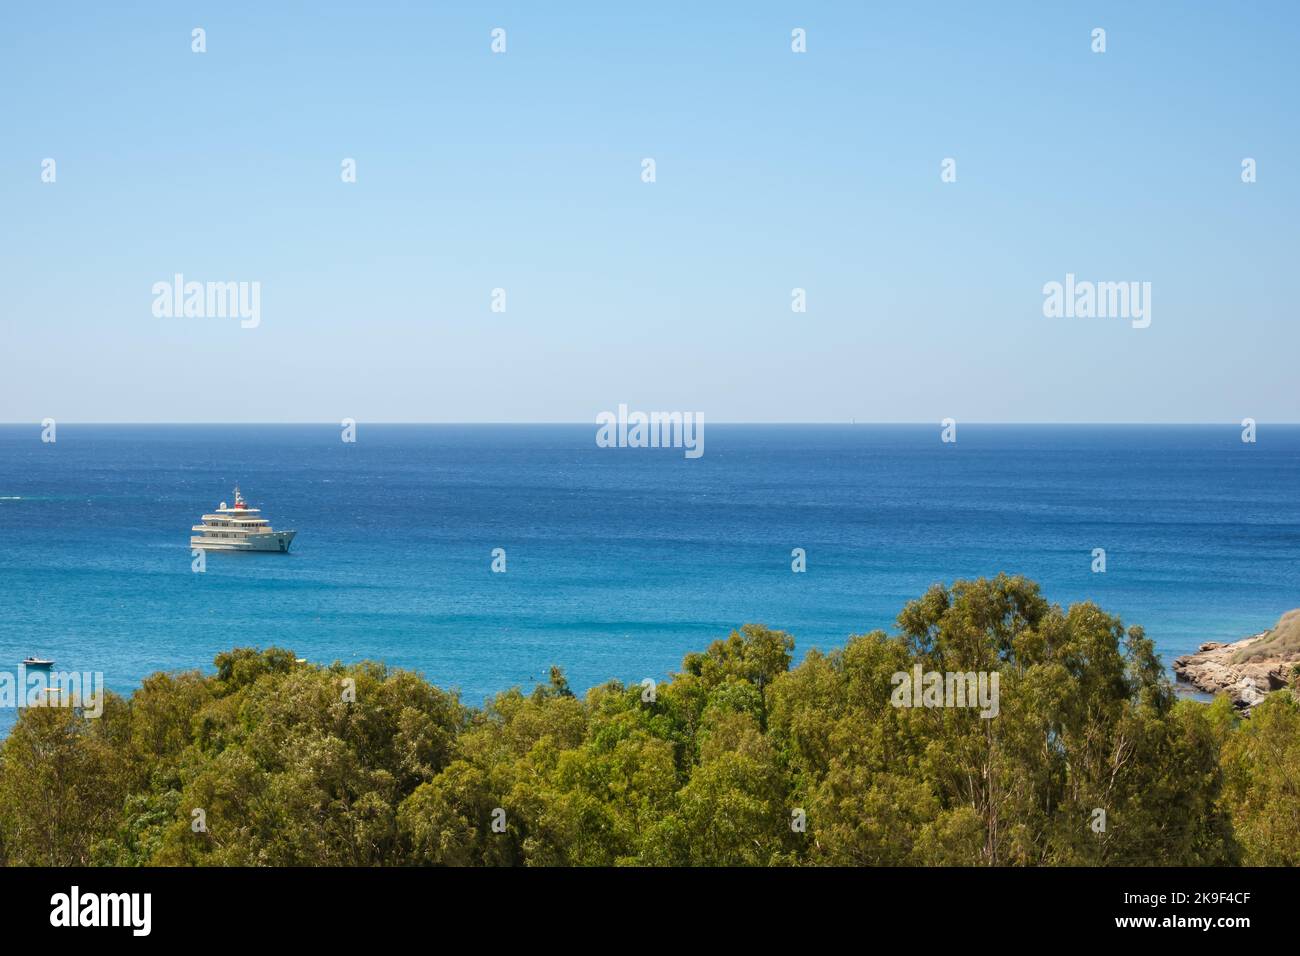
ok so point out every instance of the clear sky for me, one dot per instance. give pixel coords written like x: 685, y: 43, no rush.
x: 775, y: 170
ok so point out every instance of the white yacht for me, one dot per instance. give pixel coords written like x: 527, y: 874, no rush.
x: 240, y: 528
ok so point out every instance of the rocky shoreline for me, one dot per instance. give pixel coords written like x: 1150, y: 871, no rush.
x: 1213, y: 670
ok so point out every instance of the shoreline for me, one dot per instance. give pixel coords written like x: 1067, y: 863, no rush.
x: 1216, y: 668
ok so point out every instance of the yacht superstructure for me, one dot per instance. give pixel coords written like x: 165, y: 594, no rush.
x: 239, y: 528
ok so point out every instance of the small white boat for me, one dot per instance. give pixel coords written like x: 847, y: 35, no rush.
x: 37, y: 662
x: 240, y: 528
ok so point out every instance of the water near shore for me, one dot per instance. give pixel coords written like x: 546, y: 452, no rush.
x: 619, y: 560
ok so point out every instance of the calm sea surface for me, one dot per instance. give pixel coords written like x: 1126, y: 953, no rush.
x: 619, y: 560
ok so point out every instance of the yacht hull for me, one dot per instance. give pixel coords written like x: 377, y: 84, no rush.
x: 277, y: 541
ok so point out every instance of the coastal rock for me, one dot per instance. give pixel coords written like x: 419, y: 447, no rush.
x: 1247, y: 670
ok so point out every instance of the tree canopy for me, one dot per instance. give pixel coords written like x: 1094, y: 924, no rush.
x: 743, y: 758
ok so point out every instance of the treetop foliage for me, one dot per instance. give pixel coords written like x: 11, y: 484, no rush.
x: 743, y: 758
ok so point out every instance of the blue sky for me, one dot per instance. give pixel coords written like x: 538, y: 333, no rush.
x: 775, y: 170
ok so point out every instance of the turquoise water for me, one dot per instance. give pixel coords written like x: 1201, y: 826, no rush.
x: 619, y: 560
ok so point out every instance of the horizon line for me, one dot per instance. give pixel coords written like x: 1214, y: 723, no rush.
x: 850, y: 424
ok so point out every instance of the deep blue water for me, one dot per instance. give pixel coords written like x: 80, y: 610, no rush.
x: 619, y: 560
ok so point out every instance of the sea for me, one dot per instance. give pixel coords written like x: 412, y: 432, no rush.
x: 618, y: 561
